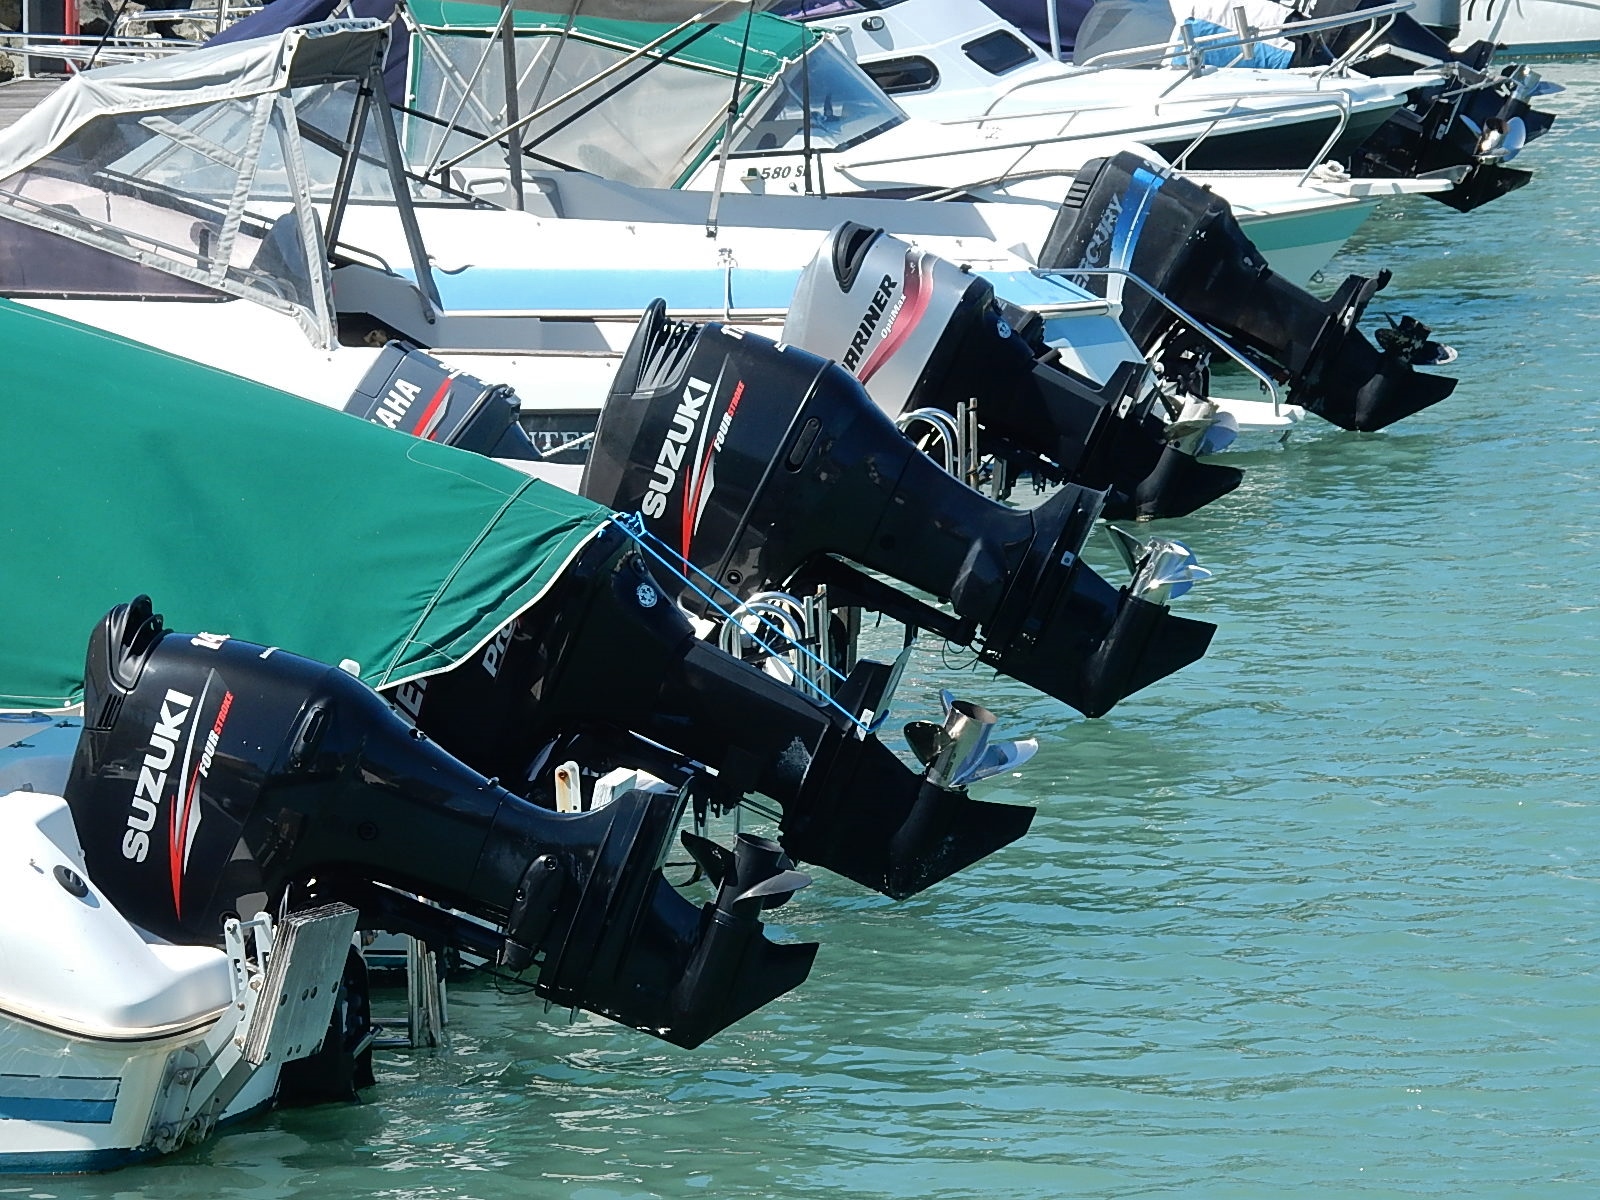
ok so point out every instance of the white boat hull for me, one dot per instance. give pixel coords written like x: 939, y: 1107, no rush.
x: 547, y: 305
x: 1163, y: 105
x: 115, y: 1046
x: 72, y: 1104
x: 1258, y: 418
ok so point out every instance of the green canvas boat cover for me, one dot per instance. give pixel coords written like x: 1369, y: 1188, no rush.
x: 764, y: 43
x: 245, y: 511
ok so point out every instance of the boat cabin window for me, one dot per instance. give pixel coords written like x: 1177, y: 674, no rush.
x: 999, y: 52
x: 897, y: 76
x: 846, y: 107
x: 324, y: 115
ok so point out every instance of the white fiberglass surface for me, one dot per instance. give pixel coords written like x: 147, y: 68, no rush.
x: 119, y: 981
x: 196, y: 203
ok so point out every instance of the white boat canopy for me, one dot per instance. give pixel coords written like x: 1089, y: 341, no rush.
x: 204, y: 168
x: 301, y: 57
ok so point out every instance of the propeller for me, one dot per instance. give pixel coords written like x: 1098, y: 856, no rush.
x: 1162, y: 569
x: 1408, y: 339
x: 960, y: 751
x: 1202, y: 428
x: 1516, y: 137
x: 756, y: 871
x: 1222, y: 434
x: 1503, y: 140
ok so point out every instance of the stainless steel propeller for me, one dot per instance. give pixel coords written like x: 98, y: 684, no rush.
x: 1162, y: 568
x: 1202, y: 428
x: 1503, y: 141
x: 961, y: 751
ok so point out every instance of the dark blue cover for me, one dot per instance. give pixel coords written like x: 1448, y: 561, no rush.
x: 283, y: 14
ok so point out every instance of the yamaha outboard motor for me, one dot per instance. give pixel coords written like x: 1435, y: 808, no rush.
x: 606, y: 653
x: 1128, y: 212
x: 212, y: 774
x: 410, y: 390
x: 920, y: 332
x: 757, y: 463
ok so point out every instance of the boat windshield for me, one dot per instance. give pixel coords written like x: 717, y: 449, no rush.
x: 845, y: 107
x: 202, y: 192
x: 195, y: 202
x: 643, y: 125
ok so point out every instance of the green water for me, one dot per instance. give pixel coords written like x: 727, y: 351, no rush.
x: 1315, y: 917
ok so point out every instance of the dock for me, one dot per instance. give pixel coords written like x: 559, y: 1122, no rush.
x: 18, y: 96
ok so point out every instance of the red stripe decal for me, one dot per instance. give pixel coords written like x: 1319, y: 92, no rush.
x: 433, y: 406
x: 691, y: 501
x: 178, y: 838
x: 917, y: 295
x: 175, y: 847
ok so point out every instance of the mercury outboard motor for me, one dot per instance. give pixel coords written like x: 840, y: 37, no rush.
x: 920, y: 332
x: 758, y: 463
x: 847, y: 802
x: 1182, y: 240
x: 212, y: 774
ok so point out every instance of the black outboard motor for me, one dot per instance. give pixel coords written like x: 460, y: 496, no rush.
x: 1468, y: 128
x: 1181, y: 239
x: 920, y: 332
x: 1406, y: 45
x: 848, y: 803
x: 212, y: 774
x: 1470, y: 124
x: 410, y: 390
x: 758, y: 463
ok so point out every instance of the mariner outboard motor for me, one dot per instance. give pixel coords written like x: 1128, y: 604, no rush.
x: 761, y: 464
x: 1128, y: 212
x: 920, y: 332
x: 212, y: 774
x: 607, y: 654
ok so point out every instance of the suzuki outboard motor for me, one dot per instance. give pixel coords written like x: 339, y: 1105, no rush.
x: 1182, y: 240
x: 606, y: 653
x: 212, y: 774
x: 920, y: 332
x: 757, y: 463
